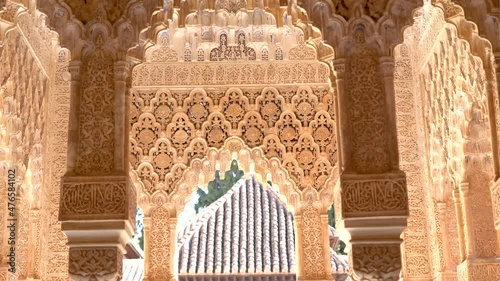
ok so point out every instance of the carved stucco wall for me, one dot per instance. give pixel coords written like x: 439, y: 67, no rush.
x: 31, y: 30
x: 191, y: 96
x: 450, y: 116
x: 28, y: 59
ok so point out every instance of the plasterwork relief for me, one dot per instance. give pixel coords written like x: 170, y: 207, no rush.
x: 477, y: 147
x: 367, y: 112
x: 376, y: 262
x: 160, y: 250
x: 452, y: 79
x: 310, y: 227
x: 416, y: 250
x: 26, y: 64
x: 94, y: 199
x: 55, y: 257
x: 96, y: 263
x: 220, y: 106
x: 383, y: 196
x: 96, y: 142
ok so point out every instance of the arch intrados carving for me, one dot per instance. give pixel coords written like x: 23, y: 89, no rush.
x: 249, y: 159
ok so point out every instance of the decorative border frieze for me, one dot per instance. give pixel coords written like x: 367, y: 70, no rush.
x: 222, y: 73
x: 374, y: 195
x: 495, y: 197
x: 94, y: 198
x: 479, y: 270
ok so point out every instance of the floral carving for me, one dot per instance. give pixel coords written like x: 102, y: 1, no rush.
x: 216, y: 130
x: 146, y: 132
x: 234, y: 106
x: 96, y: 143
x: 95, y: 263
x: 163, y: 107
x: 366, y: 103
x: 197, y: 107
x: 376, y: 262
x: 160, y: 240
x: 162, y: 157
x: 252, y: 129
x: 180, y: 132
x: 270, y: 105
x: 288, y: 127
x: 312, y: 235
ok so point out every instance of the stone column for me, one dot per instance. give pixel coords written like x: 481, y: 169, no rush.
x: 374, y: 210
x: 74, y: 69
x: 161, y: 245
x: 147, y: 235
x: 374, y: 198
x: 467, y: 222
x: 343, y: 120
x: 446, y: 270
x: 460, y: 222
x: 34, y: 219
x: 98, y: 202
x: 313, y: 247
x: 495, y: 188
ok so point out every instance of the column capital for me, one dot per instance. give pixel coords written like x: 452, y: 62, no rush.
x: 441, y: 207
x: 74, y: 68
x: 387, y: 66
x: 339, y: 67
x: 376, y: 261
x: 95, y: 263
x: 121, y: 71
x: 464, y: 189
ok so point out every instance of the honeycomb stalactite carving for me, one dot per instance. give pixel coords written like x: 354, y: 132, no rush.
x: 200, y: 124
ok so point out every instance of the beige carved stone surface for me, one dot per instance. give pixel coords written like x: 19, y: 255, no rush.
x: 104, y: 199
x: 209, y: 79
x: 376, y: 262
x: 103, y: 262
x: 96, y: 128
x: 374, y: 196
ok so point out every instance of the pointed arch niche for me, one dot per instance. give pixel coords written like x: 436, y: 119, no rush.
x: 447, y: 119
x: 270, y: 110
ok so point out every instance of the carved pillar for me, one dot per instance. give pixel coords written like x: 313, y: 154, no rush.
x: 339, y: 67
x: 161, y: 246
x: 147, y: 237
x: 98, y: 202
x: 313, y: 248
x: 34, y: 228
x: 460, y: 222
x: 468, y: 233
x: 446, y: 270
x: 74, y: 68
x: 495, y: 188
x: 387, y: 71
x: 373, y: 190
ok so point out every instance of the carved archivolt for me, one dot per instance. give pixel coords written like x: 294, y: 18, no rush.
x: 179, y: 110
x: 446, y: 82
x: 25, y: 126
